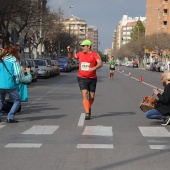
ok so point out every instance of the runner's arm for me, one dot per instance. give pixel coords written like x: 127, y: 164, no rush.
x: 70, y: 53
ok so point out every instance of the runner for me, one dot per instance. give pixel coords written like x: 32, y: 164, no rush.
x: 89, y: 62
x: 111, y: 63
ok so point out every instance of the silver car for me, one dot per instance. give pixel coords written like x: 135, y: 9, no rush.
x: 43, y: 68
x: 33, y: 68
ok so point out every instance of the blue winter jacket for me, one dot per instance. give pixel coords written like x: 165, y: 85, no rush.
x: 11, y: 79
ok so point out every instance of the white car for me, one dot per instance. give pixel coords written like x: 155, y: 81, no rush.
x: 166, y: 66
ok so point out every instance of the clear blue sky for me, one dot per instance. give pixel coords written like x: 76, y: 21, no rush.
x: 104, y: 14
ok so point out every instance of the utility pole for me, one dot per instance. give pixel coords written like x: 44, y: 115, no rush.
x: 40, y: 50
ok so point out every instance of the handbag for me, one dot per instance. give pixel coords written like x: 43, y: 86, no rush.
x: 23, y: 92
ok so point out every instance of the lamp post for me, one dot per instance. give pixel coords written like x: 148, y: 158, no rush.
x: 40, y: 50
x: 138, y: 32
x: 71, y: 10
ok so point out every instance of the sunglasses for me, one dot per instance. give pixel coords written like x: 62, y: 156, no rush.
x: 85, y: 45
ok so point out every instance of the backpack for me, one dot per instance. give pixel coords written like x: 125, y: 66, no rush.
x: 7, y: 77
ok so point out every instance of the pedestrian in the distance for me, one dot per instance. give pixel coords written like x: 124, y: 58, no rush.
x: 89, y: 62
x: 11, y: 76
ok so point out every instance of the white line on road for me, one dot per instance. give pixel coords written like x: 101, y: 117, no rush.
x: 23, y: 145
x: 81, y: 120
x: 41, y: 130
x: 1, y: 126
x: 154, y: 131
x: 95, y: 146
x: 142, y: 81
x: 159, y: 146
x: 98, y: 131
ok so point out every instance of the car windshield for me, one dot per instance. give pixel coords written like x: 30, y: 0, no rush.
x: 40, y: 62
x: 30, y: 63
x: 48, y: 61
x: 23, y: 63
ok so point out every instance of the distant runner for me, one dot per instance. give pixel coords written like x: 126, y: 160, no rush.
x: 111, y: 63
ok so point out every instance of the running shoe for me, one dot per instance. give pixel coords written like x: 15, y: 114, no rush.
x: 87, y: 116
x: 166, y: 121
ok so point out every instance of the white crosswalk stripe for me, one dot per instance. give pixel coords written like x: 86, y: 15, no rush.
x: 156, y: 132
x: 34, y: 130
x: 41, y: 130
x: 23, y: 145
x: 101, y: 131
x: 2, y: 126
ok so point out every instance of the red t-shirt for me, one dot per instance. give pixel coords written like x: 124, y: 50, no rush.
x: 86, y: 61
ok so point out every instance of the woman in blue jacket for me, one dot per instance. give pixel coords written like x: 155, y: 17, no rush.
x: 11, y: 76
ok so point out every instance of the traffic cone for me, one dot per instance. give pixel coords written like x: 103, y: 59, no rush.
x: 140, y: 78
x: 130, y: 74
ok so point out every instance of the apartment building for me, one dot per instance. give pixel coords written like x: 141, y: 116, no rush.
x: 92, y: 35
x: 158, y: 17
x: 124, y: 28
x: 75, y: 26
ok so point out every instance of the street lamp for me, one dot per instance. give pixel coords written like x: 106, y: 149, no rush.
x: 138, y: 32
x: 71, y: 10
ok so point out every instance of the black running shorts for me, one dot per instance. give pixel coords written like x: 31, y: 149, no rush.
x: 112, y: 68
x: 87, y: 84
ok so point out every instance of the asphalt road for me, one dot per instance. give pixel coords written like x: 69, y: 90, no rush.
x: 52, y: 134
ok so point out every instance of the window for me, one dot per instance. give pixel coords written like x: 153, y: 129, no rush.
x: 165, y: 11
x: 165, y: 23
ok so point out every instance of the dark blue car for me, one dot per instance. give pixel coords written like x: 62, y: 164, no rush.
x: 65, y: 64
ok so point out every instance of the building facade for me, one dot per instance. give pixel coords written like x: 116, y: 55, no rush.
x: 158, y: 17
x: 75, y: 26
x: 122, y: 34
x: 92, y: 35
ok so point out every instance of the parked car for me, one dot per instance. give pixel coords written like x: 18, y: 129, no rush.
x: 147, y: 66
x: 163, y: 67
x: 50, y: 65
x: 24, y: 64
x: 135, y: 65
x: 76, y: 63
x: 56, y: 66
x: 152, y: 66
x: 65, y: 64
x: 158, y: 66
x: 33, y: 69
x: 43, y: 68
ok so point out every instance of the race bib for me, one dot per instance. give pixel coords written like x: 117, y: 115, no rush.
x: 85, y: 66
x: 112, y: 66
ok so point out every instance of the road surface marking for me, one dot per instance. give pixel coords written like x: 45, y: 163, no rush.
x: 81, y: 120
x: 98, y: 131
x: 159, y: 146
x: 23, y: 145
x: 142, y: 81
x: 157, y: 141
x: 154, y: 131
x: 41, y: 130
x: 1, y: 126
x: 95, y: 146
